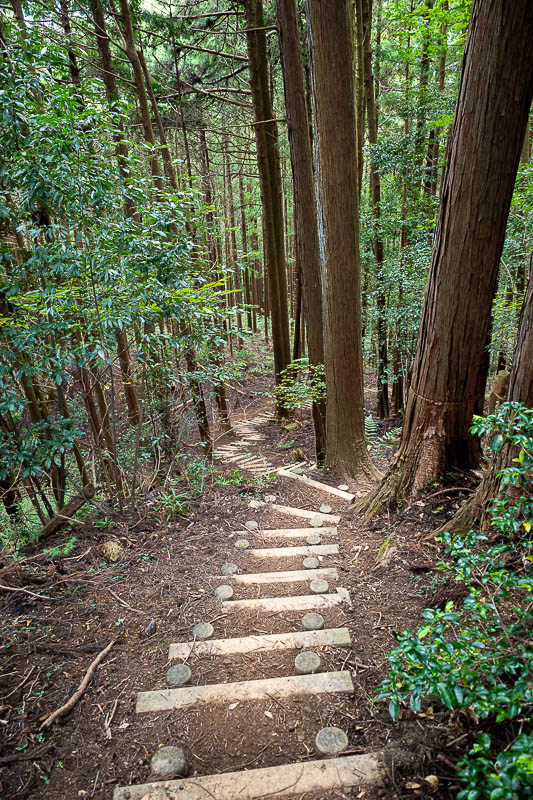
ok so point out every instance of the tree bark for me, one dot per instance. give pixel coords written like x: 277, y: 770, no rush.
x: 375, y: 202
x: 490, y: 120
x: 338, y: 214
x: 270, y: 181
x: 521, y: 391
x: 305, y: 216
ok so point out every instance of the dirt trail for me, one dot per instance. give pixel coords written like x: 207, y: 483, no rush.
x: 104, y: 744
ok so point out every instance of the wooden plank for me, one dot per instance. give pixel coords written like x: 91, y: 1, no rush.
x: 292, y: 576
x: 317, y: 485
x: 333, y: 637
x: 292, y: 533
x: 286, y: 552
x: 304, y: 602
x: 305, y: 514
x: 286, y: 780
x: 243, y: 691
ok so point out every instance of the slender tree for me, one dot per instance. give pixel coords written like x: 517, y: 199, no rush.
x: 270, y: 180
x: 450, y: 367
x: 305, y: 216
x: 338, y: 214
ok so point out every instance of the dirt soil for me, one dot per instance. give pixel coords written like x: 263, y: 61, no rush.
x: 167, y: 574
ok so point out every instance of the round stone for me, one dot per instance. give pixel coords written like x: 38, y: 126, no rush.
x: 243, y: 544
x: 312, y: 622
x: 316, y: 522
x: 330, y: 741
x: 343, y: 487
x: 179, y: 675
x: 270, y: 498
x: 254, y: 504
x: 224, y: 592
x: 169, y: 762
x: 325, y: 509
x: 203, y: 630
x: 319, y: 586
x: 307, y: 662
x: 252, y: 525
x: 229, y: 568
x: 313, y: 540
x: 311, y: 563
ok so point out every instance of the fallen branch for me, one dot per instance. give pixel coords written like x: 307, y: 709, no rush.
x: 66, y: 513
x: 69, y: 705
x: 24, y: 591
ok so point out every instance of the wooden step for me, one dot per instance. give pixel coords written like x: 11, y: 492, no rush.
x: 286, y: 780
x: 292, y: 576
x: 292, y: 533
x: 241, y: 691
x: 333, y: 637
x: 303, y: 602
x: 286, y: 552
x: 285, y: 473
x: 305, y: 514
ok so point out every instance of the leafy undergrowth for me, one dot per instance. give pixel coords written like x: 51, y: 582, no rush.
x: 478, y: 659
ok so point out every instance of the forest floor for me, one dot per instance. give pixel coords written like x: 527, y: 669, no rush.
x: 168, y: 569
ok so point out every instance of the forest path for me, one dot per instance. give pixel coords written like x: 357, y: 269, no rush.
x: 247, y: 713
x: 311, y: 676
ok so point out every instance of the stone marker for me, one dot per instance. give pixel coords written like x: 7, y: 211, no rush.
x: 252, y: 525
x: 325, y: 509
x: 311, y: 563
x: 312, y: 622
x: 242, y: 543
x: 169, y: 762
x: 203, y: 630
x: 316, y: 522
x: 270, y: 498
x: 307, y: 662
x: 313, y: 540
x: 319, y: 586
x: 229, y: 568
x: 330, y: 741
x: 179, y: 675
x: 343, y: 487
x: 225, y: 592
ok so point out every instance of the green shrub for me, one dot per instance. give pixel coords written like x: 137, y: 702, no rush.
x: 480, y: 656
x: 301, y: 382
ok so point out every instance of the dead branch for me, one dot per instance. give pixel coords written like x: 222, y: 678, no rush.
x: 69, y: 705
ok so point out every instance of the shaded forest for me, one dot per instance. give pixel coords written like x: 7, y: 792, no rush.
x: 324, y: 208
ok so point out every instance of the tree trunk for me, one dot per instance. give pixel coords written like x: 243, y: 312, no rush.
x: 305, y: 217
x: 487, y: 136
x: 375, y: 202
x: 133, y: 55
x: 270, y: 181
x: 220, y: 388
x: 338, y: 213
x: 521, y: 391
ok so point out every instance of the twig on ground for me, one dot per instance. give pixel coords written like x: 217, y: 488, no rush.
x: 60, y: 712
x: 24, y: 591
x: 123, y: 602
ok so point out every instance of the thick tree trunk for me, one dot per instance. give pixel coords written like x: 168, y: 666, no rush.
x: 338, y: 212
x: 305, y: 216
x: 490, y: 120
x: 270, y: 181
x: 521, y: 391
